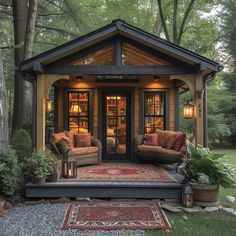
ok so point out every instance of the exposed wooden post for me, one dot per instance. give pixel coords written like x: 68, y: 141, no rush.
x: 44, y: 83
x: 195, y: 84
x: 199, y: 116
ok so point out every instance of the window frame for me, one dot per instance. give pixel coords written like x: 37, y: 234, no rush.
x: 90, y: 108
x: 142, y: 109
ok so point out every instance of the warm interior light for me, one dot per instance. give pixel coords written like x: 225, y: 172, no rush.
x: 75, y: 108
x: 188, y: 111
x: 49, y: 105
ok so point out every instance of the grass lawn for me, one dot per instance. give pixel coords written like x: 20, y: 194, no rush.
x: 231, y: 158
x: 205, y: 224
x: 201, y: 224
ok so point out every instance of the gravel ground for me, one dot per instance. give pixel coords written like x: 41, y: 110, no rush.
x: 46, y: 220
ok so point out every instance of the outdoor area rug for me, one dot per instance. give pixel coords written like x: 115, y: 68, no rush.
x: 127, y: 172
x: 104, y: 215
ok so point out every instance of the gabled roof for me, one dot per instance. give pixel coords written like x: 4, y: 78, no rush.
x: 119, y: 27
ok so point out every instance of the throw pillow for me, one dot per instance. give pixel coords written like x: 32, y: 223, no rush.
x: 151, y: 139
x: 56, y: 137
x: 82, y: 140
x: 70, y: 135
x: 180, y: 141
x: 161, y: 137
x: 68, y: 142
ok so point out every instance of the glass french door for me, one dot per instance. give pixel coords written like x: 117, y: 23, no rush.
x: 116, y: 126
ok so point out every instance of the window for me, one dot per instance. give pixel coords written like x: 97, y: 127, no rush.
x: 78, y: 111
x: 154, y: 111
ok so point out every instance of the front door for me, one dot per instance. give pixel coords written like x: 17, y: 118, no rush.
x: 116, y: 131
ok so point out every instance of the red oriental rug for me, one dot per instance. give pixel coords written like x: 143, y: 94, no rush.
x: 119, y: 172
x: 143, y: 215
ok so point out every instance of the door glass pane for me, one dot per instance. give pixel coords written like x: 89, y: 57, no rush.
x: 73, y: 125
x: 83, y: 125
x: 111, y: 126
x: 121, y: 103
x: 116, y: 124
x: 111, y: 144
x: 121, y: 126
x: 121, y: 141
x: 111, y: 106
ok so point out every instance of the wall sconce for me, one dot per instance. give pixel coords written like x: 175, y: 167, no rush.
x: 156, y: 78
x: 188, y: 110
x: 49, y: 105
x: 69, y: 169
x: 187, y: 196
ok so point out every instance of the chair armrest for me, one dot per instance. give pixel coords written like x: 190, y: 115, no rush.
x: 54, y: 148
x: 96, y: 142
x: 138, y: 141
x: 63, y: 148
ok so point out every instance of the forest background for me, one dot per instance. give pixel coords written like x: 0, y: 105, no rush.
x: 207, y: 27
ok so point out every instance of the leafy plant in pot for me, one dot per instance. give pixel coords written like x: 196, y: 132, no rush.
x: 40, y: 165
x: 206, y: 171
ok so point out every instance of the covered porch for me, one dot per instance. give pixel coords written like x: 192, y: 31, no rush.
x: 116, y: 83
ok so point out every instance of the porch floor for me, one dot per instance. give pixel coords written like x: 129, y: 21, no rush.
x: 114, y: 180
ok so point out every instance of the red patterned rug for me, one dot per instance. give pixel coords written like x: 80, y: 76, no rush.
x: 120, y: 172
x: 143, y: 215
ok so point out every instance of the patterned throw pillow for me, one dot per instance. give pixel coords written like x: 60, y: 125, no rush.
x: 56, y: 137
x: 161, y: 137
x: 151, y: 139
x: 180, y: 141
x: 82, y: 140
x: 70, y: 135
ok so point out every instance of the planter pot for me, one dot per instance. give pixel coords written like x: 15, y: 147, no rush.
x: 56, y: 172
x: 36, y: 180
x: 205, y: 195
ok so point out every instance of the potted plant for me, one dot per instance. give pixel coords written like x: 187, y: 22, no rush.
x: 57, y: 170
x: 40, y: 165
x: 206, y: 171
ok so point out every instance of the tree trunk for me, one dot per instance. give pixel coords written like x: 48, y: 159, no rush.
x: 20, y: 9
x: 24, y: 17
x: 28, y: 49
x: 3, y: 108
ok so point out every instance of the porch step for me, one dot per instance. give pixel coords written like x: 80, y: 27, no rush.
x: 105, y: 190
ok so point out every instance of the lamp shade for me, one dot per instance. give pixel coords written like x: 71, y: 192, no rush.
x: 188, y: 111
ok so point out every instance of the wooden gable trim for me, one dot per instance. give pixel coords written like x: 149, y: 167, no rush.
x: 118, y: 27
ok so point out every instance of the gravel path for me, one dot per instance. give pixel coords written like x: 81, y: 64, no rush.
x: 46, y: 220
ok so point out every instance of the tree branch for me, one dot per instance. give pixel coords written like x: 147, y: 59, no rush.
x: 62, y: 31
x: 48, y: 43
x: 163, y: 21
x: 181, y: 30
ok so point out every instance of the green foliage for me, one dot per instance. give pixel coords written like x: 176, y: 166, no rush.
x: 41, y: 164
x: 9, y: 172
x: 21, y: 142
x: 206, y: 167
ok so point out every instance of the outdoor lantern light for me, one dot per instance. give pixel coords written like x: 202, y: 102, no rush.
x: 187, y: 196
x: 49, y: 105
x: 188, y: 111
x: 69, y: 169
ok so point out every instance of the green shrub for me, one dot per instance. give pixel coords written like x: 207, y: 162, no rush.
x: 41, y: 164
x: 9, y: 172
x: 21, y: 142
